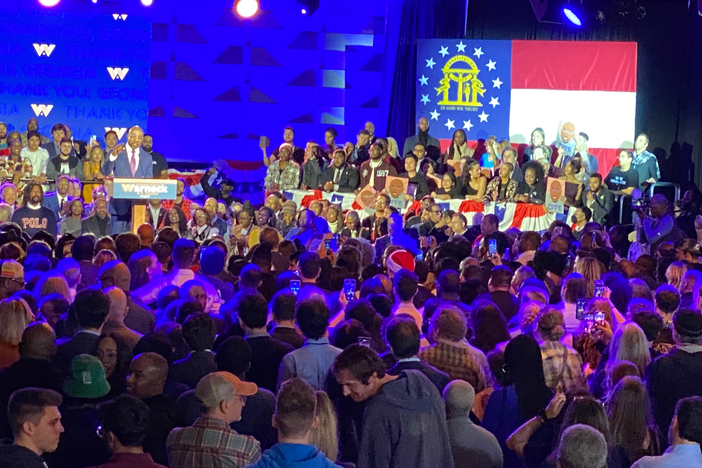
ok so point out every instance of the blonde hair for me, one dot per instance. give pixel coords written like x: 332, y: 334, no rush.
x: 15, y: 315
x: 396, y: 152
x: 629, y: 344
x: 51, y: 282
x: 591, y: 269
x: 103, y: 257
x: 675, y: 273
x: 324, y: 436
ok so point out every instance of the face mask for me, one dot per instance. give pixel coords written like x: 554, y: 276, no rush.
x: 573, y: 219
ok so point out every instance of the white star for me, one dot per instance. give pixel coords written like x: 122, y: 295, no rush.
x: 424, y: 80
x: 449, y: 124
x: 497, y: 83
x: 494, y: 102
x: 461, y: 47
x: 467, y: 125
x: 478, y: 52
x: 425, y: 98
x: 431, y: 63
x: 444, y: 51
x: 483, y: 117
x: 491, y: 65
x: 434, y: 115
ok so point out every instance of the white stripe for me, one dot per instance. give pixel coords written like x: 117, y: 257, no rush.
x: 606, y: 117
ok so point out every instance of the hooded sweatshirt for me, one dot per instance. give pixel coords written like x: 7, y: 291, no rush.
x: 404, y: 426
x: 15, y: 456
x: 293, y: 456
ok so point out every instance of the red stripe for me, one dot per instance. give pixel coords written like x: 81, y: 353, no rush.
x: 574, y: 65
x: 471, y: 206
x: 526, y: 210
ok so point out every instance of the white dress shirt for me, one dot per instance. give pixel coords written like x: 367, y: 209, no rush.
x: 128, y: 149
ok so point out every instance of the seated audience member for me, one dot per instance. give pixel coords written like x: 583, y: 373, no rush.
x: 340, y: 176
x: 472, y: 446
x: 313, y: 360
x: 685, y: 437
x: 98, y: 223
x: 146, y: 379
x: 282, y: 309
x: 55, y: 200
x: 448, y: 189
x: 502, y: 187
x: 210, y: 441
x: 450, y: 352
x: 283, y: 174
x: 199, y: 334
x: 296, y: 418
x: 125, y: 421
x: 375, y: 171
x: 32, y: 217
x: 582, y: 446
x: 415, y: 177
x: 533, y: 189
x: 393, y: 405
x: 402, y: 335
x: 91, y: 310
x: 474, y: 184
x: 623, y: 178
x: 34, y: 416
x: 267, y: 352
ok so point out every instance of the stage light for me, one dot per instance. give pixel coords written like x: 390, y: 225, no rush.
x: 246, y: 8
x: 147, y: 2
x: 49, y: 3
x: 571, y: 15
x: 307, y: 7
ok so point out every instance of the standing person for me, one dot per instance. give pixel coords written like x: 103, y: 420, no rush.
x: 374, y: 171
x: 33, y: 126
x: 58, y: 133
x: 404, y: 422
x: 160, y: 166
x: 131, y: 162
x: 623, y: 178
x: 35, y: 419
x: 283, y: 174
x: 340, y: 176
x: 599, y: 199
x: 91, y: 171
x: 55, y: 200
x: 224, y: 192
x: 210, y: 442
x: 424, y: 138
x: 590, y: 163
x: 36, y: 155
x: 296, y: 419
x: 644, y: 162
x: 64, y: 163
x: 181, y: 202
x: 33, y: 217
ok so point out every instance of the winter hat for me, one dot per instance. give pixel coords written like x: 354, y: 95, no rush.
x: 212, y: 260
x: 289, y: 207
x: 87, y: 379
x: 12, y: 270
x: 688, y: 322
x: 398, y: 260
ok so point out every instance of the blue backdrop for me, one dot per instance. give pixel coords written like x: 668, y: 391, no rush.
x: 87, y: 70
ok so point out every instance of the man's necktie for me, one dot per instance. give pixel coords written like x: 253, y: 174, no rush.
x: 132, y: 163
x: 337, y: 175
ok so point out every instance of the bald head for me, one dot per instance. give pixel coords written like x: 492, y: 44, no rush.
x: 115, y: 273
x: 118, y: 305
x: 38, y: 341
x: 458, y: 396
x: 147, y: 375
x: 146, y: 235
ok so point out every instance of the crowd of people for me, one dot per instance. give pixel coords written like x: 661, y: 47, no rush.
x: 293, y: 336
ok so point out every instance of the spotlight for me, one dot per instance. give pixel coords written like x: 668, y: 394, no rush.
x: 246, y: 8
x: 49, y: 3
x: 147, y: 2
x: 572, y: 15
x: 307, y: 7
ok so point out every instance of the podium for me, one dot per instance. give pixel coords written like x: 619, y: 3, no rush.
x: 140, y: 191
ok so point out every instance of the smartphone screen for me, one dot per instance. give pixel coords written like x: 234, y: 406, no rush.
x: 295, y: 286
x: 492, y: 247
x: 327, y: 244
x: 599, y: 288
x: 580, y: 309
x: 350, y: 289
x: 364, y: 341
x: 599, y: 318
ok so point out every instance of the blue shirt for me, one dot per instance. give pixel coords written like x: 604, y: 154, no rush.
x: 311, y: 363
x: 677, y: 456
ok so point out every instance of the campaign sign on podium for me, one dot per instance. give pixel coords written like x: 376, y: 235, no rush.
x: 141, y: 190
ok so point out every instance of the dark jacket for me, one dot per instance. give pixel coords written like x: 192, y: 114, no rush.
x: 404, y: 426
x: 506, y: 301
x: 265, y: 360
x: 288, y: 335
x: 601, y: 206
x: 139, y: 318
x: 14, y: 456
x: 293, y: 455
x: 90, y: 225
x: 89, y: 272
x: 438, y: 378
x: 80, y: 343
x: 164, y: 417
x: 53, y: 168
x: 420, y: 181
x: 193, y: 367
x: 80, y: 445
x: 348, y: 179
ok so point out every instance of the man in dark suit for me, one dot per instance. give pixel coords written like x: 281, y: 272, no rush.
x: 403, y: 337
x: 339, y: 177
x: 599, y: 199
x: 99, y: 223
x: 500, y: 280
x: 131, y: 162
x: 91, y: 309
x: 267, y: 353
x: 199, y: 334
x: 58, y: 132
x: 55, y: 200
x: 430, y: 143
x: 139, y: 318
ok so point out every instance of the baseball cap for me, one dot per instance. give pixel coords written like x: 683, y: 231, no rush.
x: 688, y: 322
x: 12, y: 269
x: 216, y: 387
x: 87, y: 378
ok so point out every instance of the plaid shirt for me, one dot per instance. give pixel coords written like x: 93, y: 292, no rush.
x: 210, y: 443
x: 289, y: 179
x: 185, y: 205
x: 561, y: 376
x: 459, y: 363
